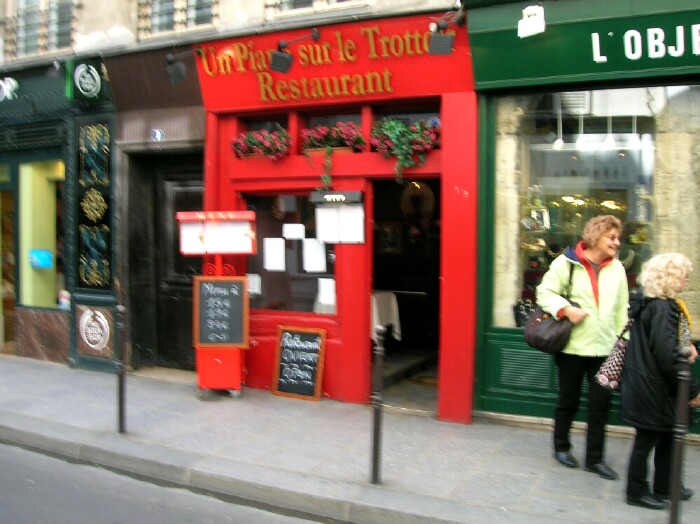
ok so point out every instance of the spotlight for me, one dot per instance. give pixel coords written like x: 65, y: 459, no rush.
x: 281, y: 59
x: 533, y: 22
x: 54, y: 70
x: 176, y: 68
x: 440, y: 42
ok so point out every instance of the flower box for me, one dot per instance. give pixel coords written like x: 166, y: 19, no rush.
x: 407, y: 143
x: 343, y: 134
x: 271, y: 144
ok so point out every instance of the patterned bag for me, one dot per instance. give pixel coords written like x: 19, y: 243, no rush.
x: 610, y: 373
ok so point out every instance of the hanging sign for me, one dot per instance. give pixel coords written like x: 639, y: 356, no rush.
x: 217, y: 232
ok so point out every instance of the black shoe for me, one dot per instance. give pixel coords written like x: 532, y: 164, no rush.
x: 648, y: 501
x: 603, y: 470
x: 565, y: 458
x: 686, y: 493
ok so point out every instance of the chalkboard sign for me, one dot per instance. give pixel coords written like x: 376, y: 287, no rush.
x: 299, y: 362
x: 220, y: 312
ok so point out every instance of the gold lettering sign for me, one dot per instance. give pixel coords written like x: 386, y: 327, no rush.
x: 373, y: 46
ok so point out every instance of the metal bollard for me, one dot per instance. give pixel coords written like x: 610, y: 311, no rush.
x: 376, y: 400
x: 680, y: 429
x: 121, y: 368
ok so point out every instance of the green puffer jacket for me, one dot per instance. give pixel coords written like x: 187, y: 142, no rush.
x: 596, y: 334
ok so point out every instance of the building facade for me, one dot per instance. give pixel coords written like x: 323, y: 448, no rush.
x: 595, y: 112
x: 606, y: 123
x: 412, y: 237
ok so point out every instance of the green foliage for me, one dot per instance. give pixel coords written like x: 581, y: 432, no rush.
x: 407, y: 143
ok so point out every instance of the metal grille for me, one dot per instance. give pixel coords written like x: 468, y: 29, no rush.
x: 525, y: 369
x: 25, y: 136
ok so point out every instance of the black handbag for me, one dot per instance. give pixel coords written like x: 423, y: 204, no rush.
x: 546, y: 333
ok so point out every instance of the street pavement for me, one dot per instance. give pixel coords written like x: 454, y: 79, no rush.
x: 313, y: 459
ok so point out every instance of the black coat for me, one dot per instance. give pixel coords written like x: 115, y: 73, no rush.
x: 649, y: 386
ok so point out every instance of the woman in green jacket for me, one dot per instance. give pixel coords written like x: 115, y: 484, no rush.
x: 597, y: 307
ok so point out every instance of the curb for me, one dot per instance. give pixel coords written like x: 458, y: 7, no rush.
x: 280, y: 491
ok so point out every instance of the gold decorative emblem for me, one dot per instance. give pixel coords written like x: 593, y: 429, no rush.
x: 93, y: 205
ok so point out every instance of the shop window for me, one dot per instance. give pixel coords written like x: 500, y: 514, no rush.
x: 562, y: 158
x: 292, y: 271
x: 331, y: 120
x: 38, y: 27
x: 60, y: 27
x: 159, y: 16
x: 265, y: 125
x: 7, y: 241
x: 293, y: 7
x: 28, y: 27
x: 41, y: 272
x: 286, y: 5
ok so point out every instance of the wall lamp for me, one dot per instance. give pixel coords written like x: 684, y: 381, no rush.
x: 532, y: 22
x: 54, y: 70
x: 176, y: 68
x: 440, y: 42
x: 281, y: 59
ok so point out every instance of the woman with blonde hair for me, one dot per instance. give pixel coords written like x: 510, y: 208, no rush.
x: 597, y: 306
x: 659, y: 339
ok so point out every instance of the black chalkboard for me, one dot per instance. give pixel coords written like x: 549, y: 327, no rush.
x: 220, y: 312
x: 299, y: 362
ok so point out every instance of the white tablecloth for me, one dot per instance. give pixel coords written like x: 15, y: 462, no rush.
x: 385, y: 310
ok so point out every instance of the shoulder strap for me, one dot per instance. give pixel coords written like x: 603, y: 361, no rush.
x: 571, y: 274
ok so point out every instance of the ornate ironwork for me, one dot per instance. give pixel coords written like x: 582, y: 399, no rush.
x: 94, y: 221
x: 93, y: 205
x: 94, y: 155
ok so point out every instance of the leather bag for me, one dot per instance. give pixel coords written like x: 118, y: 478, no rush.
x: 544, y: 332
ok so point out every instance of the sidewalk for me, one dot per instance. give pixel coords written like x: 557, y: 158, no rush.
x: 314, y: 458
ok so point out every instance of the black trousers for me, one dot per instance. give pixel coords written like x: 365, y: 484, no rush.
x: 662, y: 444
x: 572, y: 369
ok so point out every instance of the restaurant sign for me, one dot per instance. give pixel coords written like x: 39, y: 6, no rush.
x: 349, y: 63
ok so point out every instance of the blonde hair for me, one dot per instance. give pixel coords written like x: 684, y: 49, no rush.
x: 662, y: 275
x: 598, y: 226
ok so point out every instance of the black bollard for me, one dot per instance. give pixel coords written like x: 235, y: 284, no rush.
x: 680, y: 429
x: 121, y: 368
x: 376, y: 400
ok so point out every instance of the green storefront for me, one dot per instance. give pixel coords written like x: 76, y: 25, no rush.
x: 598, y: 113
x: 56, y: 220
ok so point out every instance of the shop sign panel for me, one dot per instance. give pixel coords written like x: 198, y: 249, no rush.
x: 603, y: 49
x: 357, y: 62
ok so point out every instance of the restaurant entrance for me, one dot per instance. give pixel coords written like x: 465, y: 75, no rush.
x: 405, y: 294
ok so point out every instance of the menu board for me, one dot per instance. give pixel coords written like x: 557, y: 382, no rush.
x: 220, y: 312
x: 299, y: 362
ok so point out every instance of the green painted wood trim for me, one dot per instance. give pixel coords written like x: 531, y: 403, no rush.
x: 584, y: 42
x: 486, y: 147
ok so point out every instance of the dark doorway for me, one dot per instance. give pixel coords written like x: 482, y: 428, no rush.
x: 407, y: 268
x: 160, y: 277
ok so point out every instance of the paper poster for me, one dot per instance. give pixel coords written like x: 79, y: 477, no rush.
x: 273, y: 254
x: 314, y: 255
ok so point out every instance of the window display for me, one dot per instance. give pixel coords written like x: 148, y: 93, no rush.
x: 292, y: 270
x: 562, y: 158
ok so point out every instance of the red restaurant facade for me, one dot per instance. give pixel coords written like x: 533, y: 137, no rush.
x: 360, y: 72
